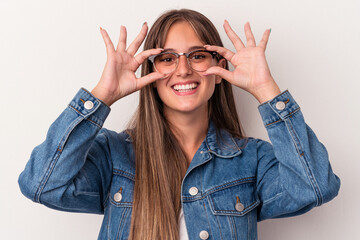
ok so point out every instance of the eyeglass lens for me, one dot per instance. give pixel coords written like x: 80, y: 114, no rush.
x: 199, y: 61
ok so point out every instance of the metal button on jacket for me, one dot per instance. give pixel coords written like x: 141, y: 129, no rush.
x: 193, y: 191
x: 117, y: 197
x: 88, y: 105
x: 239, y: 207
x: 204, y: 235
x: 280, y: 105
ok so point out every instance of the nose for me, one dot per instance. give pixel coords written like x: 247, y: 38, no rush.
x: 183, y: 69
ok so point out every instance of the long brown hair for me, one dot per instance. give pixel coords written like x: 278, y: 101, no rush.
x: 159, y: 159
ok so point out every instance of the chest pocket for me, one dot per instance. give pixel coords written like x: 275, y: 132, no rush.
x: 120, y: 207
x: 235, y: 200
x: 122, y: 190
x: 233, y: 208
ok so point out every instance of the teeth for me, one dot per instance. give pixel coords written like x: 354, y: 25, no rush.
x: 185, y: 86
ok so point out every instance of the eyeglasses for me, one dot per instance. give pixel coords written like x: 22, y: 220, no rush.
x: 198, y: 60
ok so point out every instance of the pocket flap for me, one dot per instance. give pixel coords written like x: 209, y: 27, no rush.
x: 236, y: 200
x: 121, y: 191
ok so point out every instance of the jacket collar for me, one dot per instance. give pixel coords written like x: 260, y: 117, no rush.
x: 222, y: 145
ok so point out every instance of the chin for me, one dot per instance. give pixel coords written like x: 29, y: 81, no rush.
x: 189, y: 108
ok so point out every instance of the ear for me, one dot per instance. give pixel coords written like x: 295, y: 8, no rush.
x: 221, y: 63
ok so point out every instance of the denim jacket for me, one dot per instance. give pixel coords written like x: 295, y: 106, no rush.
x: 230, y: 184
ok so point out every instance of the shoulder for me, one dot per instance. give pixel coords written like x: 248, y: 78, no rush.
x: 251, y: 144
x: 120, y: 147
x: 113, y: 137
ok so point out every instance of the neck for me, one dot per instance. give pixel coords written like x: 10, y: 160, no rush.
x: 190, y: 129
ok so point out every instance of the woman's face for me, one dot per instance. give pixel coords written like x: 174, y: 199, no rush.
x: 182, y: 38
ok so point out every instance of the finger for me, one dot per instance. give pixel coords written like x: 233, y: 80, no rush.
x: 147, y: 79
x: 264, y: 40
x: 122, y: 39
x: 226, y: 53
x: 141, y: 57
x: 109, y: 45
x: 134, y: 46
x: 250, y: 40
x: 222, y: 72
x: 235, y: 39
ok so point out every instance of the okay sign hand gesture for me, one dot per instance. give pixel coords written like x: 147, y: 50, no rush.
x: 251, y: 71
x: 118, y: 78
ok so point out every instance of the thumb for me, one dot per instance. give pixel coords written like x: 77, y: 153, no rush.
x: 149, y: 78
x: 222, y: 72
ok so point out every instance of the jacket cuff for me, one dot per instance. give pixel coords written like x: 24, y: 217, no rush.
x: 278, y: 108
x: 89, y: 107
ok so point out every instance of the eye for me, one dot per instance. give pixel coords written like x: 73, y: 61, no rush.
x: 198, y: 56
x: 166, y: 58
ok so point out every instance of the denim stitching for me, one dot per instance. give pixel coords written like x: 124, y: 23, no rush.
x: 91, y: 121
x: 317, y: 188
x: 217, y: 220
x: 304, y: 162
x: 207, y: 217
x: 232, y: 227
x: 123, y: 173
x: 248, y: 226
x: 55, y: 159
x: 232, y: 183
x: 121, y: 228
x: 189, y: 170
x: 221, y: 187
x: 105, y: 201
x: 234, y: 224
x: 281, y: 119
x: 225, y: 156
x: 242, y: 213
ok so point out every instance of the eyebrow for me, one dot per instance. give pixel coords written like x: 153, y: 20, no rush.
x: 190, y: 49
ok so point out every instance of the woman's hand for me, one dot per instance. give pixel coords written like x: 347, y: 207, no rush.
x: 118, y: 78
x: 251, y: 71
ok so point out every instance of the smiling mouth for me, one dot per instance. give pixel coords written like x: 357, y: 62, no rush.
x: 185, y: 87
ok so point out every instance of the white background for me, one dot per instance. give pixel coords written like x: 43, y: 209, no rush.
x: 49, y: 49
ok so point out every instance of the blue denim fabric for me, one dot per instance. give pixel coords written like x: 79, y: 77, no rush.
x: 81, y: 166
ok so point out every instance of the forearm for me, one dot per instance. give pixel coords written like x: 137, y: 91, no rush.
x: 298, y: 176
x: 55, y: 163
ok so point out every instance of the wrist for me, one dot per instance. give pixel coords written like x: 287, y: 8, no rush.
x: 267, y: 92
x: 102, y: 96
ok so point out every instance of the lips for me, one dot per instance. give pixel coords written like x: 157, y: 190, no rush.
x: 185, y: 86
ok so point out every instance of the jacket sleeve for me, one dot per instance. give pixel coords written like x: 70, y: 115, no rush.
x: 294, y: 174
x: 71, y: 169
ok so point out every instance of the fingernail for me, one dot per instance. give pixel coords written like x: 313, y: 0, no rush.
x: 144, y: 23
x: 207, y: 45
x: 270, y: 29
x: 100, y: 28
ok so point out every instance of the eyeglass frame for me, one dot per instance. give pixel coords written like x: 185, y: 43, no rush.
x: 213, y: 54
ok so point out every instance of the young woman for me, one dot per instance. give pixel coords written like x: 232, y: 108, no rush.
x: 183, y: 169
